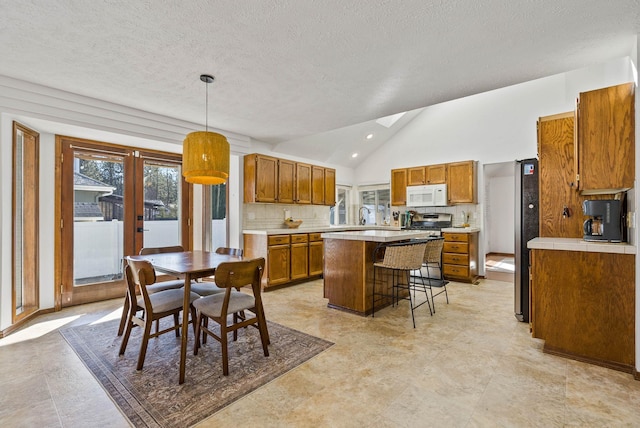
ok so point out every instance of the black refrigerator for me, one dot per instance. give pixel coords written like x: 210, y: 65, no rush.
x: 526, y: 228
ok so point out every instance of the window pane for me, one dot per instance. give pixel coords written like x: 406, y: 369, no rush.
x: 161, y: 205
x: 17, y: 222
x: 218, y: 216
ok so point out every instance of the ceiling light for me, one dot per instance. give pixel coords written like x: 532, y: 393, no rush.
x: 369, y: 136
x: 205, y: 155
x: 355, y: 155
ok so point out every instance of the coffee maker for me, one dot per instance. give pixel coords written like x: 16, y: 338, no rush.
x: 607, y: 222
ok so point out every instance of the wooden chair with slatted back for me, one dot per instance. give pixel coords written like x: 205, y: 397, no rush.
x: 208, y: 286
x: 231, y: 276
x: 152, y: 306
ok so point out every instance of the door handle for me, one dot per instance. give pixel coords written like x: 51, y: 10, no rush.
x: 141, y: 229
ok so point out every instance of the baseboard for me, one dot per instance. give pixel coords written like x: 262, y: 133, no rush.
x: 608, y: 364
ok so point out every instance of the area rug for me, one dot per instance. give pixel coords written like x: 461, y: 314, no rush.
x: 153, y: 398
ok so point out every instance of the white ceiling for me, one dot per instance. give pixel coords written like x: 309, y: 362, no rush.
x: 308, y: 77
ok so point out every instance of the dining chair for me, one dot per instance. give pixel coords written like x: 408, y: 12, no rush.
x: 151, y: 306
x: 158, y: 286
x: 208, y: 286
x: 433, y: 259
x: 231, y: 276
x: 399, y: 260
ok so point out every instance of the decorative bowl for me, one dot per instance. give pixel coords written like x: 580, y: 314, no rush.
x: 293, y: 224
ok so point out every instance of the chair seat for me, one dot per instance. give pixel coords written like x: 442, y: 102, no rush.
x: 206, y: 288
x: 165, y: 285
x: 212, y: 305
x: 167, y: 300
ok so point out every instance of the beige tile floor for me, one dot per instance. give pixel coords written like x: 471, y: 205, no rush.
x: 471, y: 364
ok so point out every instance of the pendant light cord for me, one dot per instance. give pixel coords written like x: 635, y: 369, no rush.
x: 206, y: 98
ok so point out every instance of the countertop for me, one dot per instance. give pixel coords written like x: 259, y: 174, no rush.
x: 319, y: 229
x: 376, y: 235
x: 460, y: 229
x: 576, y: 244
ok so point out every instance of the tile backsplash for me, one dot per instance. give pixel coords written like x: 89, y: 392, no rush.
x: 271, y: 216
x: 473, y: 211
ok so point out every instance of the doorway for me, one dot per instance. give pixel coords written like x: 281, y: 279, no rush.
x: 499, y: 182
x: 113, y: 200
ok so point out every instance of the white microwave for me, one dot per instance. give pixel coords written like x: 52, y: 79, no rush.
x: 431, y: 195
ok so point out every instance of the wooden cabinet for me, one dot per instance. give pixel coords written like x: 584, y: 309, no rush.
x: 416, y: 176
x: 462, y: 187
x: 303, y: 183
x: 329, y: 186
x: 460, y: 256
x: 605, y: 149
x: 299, y: 256
x: 278, y: 260
x: 290, y: 258
x: 286, y: 181
x: 316, y: 264
x: 399, y: 187
x: 583, y: 306
x: 260, y: 178
x: 436, y: 174
x: 317, y: 185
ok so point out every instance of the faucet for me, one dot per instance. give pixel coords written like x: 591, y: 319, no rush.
x: 362, y: 219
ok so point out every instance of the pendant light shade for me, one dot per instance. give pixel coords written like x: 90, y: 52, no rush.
x: 205, y: 158
x: 205, y: 155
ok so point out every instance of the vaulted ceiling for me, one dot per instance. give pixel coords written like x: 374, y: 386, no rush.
x: 308, y: 77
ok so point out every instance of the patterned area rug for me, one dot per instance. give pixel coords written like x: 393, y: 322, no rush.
x: 153, y: 398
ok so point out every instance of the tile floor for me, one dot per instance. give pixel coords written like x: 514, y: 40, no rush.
x: 471, y: 364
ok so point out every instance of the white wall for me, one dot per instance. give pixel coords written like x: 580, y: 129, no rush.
x: 499, y: 217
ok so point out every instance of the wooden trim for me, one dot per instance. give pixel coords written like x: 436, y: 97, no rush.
x: 566, y: 115
x: 22, y: 322
x: 608, y: 364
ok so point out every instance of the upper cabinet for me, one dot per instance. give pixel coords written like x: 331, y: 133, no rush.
x: 273, y: 180
x: 436, y: 174
x: 303, y: 183
x: 260, y: 178
x: 399, y: 187
x: 462, y: 187
x: 416, y: 176
x: 605, y: 146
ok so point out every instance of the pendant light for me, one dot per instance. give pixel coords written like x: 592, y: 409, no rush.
x: 205, y: 155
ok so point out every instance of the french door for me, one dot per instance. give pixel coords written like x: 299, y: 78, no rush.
x: 113, y: 201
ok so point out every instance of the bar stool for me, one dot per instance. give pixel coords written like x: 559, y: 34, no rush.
x: 399, y: 259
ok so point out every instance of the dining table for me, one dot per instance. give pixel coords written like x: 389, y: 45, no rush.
x: 190, y: 265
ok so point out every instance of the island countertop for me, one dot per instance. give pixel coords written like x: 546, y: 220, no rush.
x: 376, y: 235
x: 316, y: 229
x: 576, y: 244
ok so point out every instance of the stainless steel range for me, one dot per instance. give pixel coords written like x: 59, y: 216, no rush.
x: 432, y: 223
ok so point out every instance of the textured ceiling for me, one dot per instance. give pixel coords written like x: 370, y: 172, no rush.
x: 290, y: 69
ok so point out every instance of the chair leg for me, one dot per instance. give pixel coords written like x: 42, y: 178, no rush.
x: 410, y: 301
x: 125, y: 314
x: 127, y: 333
x: 196, y: 342
x: 225, y: 350
x: 193, y: 318
x: 176, y: 323
x: 264, y: 334
x: 144, y: 343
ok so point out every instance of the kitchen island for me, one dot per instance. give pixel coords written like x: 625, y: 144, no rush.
x: 348, y: 265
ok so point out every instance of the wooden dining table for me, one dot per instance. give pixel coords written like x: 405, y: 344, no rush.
x: 189, y: 265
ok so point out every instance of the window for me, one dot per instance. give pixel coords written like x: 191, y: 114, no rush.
x: 340, y: 211
x: 375, y: 205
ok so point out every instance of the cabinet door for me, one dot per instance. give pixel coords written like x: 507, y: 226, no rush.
x: 266, y: 179
x: 299, y: 261
x: 278, y: 264
x: 316, y: 265
x: 461, y: 182
x: 436, y: 174
x: 317, y: 188
x: 557, y: 178
x: 398, y: 187
x: 329, y: 186
x: 416, y: 176
x: 286, y: 181
x: 303, y: 183
x: 606, y: 139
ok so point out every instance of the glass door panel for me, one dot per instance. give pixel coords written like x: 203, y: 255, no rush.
x: 162, y: 204
x: 98, y: 219
x: 218, y: 216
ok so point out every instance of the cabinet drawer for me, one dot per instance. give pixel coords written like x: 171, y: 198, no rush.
x: 315, y: 237
x: 455, y: 259
x: 456, y: 270
x: 456, y: 237
x: 299, y: 238
x: 456, y: 247
x: 278, y: 239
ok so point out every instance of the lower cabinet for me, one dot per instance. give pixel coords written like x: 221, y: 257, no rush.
x: 460, y: 256
x: 289, y: 257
